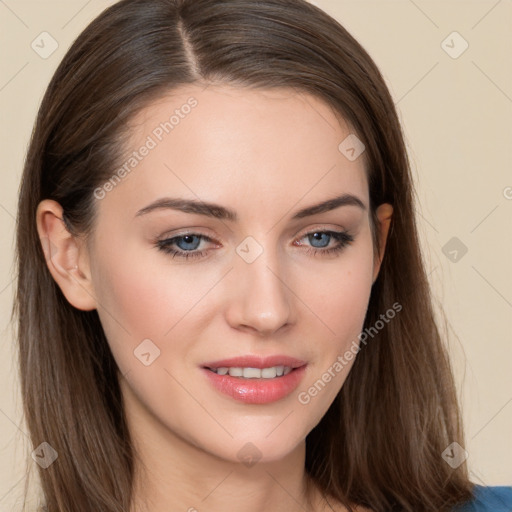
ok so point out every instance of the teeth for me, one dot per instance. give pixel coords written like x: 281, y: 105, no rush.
x: 254, y: 373
x: 269, y: 373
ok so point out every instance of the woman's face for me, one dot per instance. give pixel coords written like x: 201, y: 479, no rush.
x: 258, y: 283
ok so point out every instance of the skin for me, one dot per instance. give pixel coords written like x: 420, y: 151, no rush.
x: 265, y: 154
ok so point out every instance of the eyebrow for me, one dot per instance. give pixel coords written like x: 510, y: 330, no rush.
x: 222, y: 213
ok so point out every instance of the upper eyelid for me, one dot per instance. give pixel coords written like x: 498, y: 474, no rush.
x: 193, y: 231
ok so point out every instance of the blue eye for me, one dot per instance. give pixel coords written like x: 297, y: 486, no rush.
x: 322, y: 238
x: 187, y: 244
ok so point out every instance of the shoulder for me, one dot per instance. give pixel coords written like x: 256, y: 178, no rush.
x: 488, y: 499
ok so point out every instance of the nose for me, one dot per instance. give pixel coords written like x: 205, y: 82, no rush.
x: 259, y: 296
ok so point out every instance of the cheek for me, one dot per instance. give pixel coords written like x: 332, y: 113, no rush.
x: 134, y: 303
x: 340, y: 304
x: 338, y: 293
x: 142, y: 297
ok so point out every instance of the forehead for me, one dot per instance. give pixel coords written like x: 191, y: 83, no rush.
x: 225, y: 143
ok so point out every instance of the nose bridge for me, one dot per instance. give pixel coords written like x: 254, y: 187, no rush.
x: 260, y: 298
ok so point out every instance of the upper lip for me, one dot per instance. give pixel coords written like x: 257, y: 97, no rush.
x: 249, y: 361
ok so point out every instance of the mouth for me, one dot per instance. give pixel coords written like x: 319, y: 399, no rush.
x: 256, y: 380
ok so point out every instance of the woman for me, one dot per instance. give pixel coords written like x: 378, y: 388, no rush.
x: 222, y: 301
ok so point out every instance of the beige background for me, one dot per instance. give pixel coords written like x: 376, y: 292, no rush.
x: 456, y: 114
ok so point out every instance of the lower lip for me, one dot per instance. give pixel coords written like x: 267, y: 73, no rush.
x: 256, y: 391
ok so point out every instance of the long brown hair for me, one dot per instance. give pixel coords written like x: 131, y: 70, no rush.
x: 380, y: 443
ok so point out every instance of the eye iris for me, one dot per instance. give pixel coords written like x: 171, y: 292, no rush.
x: 188, y: 240
x: 315, y: 237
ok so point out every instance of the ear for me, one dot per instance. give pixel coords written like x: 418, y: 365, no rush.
x: 384, y: 213
x: 66, y: 256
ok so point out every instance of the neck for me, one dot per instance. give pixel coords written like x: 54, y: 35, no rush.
x: 177, y: 476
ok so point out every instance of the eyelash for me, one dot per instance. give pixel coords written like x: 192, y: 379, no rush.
x: 342, y: 237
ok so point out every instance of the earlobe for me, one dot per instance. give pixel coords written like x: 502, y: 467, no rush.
x: 384, y: 215
x: 64, y: 257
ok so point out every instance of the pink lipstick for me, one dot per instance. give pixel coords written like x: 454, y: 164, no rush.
x: 255, y: 380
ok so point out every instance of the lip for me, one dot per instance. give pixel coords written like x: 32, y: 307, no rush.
x: 250, y: 361
x: 256, y: 391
